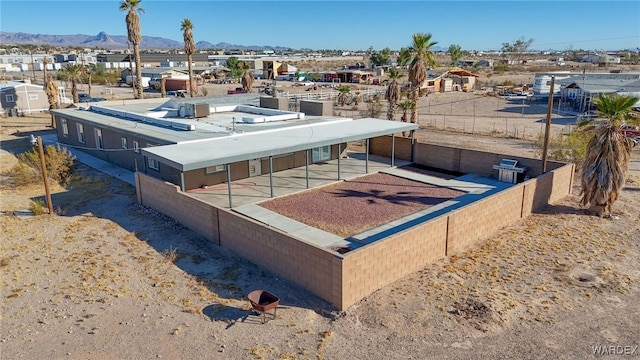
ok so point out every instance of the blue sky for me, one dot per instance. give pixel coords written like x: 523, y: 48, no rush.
x: 355, y: 25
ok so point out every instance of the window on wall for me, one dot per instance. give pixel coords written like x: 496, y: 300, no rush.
x: 124, y: 143
x: 98, y: 135
x: 65, y: 127
x: 214, y: 169
x: 153, y: 164
x: 321, y: 153
x: 136, y: 146
x: 80, y: 129
x: 9, y: 98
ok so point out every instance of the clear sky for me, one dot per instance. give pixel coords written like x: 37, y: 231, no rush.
x: 353, y: 25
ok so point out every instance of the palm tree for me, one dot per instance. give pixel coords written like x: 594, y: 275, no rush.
x: 406, y: 106
x: 45, y: 61
x: 189, y: 47
x: 51, y: 89
x: 343, y: 95
x: 418, y: 57
x: 608, y: 152
x: 393, y: 92
x: 74, y: 74
x: 247, y: 78
x: 135, y: 36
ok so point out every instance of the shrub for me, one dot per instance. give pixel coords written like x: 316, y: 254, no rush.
x: 38, y: 207
x: 58, y: 162
x: 569, y: 148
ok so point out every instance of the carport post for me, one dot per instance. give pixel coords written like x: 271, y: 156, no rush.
x: 393, y: 149
x: 271, y: 175
x: 366, y: 159
x: 229, y: 184
x: 412, y: 142
x: 182, y: 181
x: 339, y: 156
x: 306, y: 166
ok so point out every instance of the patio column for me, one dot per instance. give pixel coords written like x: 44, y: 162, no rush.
x: 306, y: 166
x: 393, y: 149
x: 229, y: 184
x: 412, y: 142
x: 366, y: 159
x: 182, y: 181
x: 339, y: 156
x: 271, y: 175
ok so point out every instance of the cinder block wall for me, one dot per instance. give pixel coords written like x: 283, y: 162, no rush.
x: 313, y: 268
x: 382, y: 262
x: 185, y: 209
x: 382, y: 146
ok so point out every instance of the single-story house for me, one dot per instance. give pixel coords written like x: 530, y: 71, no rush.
x: 22, y: 98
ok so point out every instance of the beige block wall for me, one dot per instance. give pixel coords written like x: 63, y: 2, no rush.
x: 380, y: 263
x: 315, y: 269
x: 187, y: 210
x: 382, y: 146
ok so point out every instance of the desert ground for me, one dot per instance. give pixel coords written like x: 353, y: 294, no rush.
x: 106, y: 278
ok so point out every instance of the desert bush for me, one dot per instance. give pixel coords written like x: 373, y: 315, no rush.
x: 500, y: 68
x: 58, y: 162
x: 38, y: 207
x: 569, y: 148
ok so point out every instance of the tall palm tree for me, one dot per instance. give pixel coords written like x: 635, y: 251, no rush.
x: 418, y: 57
x: 247, y: 78
x: 73, y: 73
x: 132, y: 7
x: 51, y: 89
x: 393, y: 92
x: 608, y: 152
x: 189, y: 47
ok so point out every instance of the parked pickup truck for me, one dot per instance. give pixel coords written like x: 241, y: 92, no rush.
x: 631, y: 132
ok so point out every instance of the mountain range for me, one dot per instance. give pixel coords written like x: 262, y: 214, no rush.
x: 106, y: 41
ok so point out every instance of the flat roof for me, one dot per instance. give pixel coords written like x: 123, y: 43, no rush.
x: 200, y: 154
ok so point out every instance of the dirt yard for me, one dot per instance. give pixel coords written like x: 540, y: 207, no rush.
x: 105, y: 278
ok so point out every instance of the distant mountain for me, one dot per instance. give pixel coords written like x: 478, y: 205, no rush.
x: 104, y: 40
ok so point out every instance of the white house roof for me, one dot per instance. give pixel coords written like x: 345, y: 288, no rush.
x: 199, y: 154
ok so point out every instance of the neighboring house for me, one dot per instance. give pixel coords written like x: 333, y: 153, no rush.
x: 22, y: 98
x: 157, y: 73
x: 462, y: 80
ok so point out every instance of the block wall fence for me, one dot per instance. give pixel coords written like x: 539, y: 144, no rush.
x: 344, y: 279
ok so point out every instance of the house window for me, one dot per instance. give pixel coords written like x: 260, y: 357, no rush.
x: 80, y: 129
x: 65, y: 127
x: 214, y: 169
x: 321, y: 153
x: 98, y: 134
x: 9, y: 98
x: 153, y: 164
x: 136, y: 146
x: 124, y: 143
x: 33, y: 96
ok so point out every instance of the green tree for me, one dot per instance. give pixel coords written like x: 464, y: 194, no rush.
x: 393, y: 92
x: 455, y: 52
x: 343, y: 95
x: 608, y: 152
x: 234, y: 65
x: 418, y: 57
x: 189, y: 48
x: 132, y: 7
x: 381, y: 57
x: 406, y: 106
x: 517, y: 48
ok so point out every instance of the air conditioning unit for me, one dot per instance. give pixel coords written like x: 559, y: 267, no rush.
x: 197, y: 110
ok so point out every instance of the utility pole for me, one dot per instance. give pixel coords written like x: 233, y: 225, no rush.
x: 547, y: 128
x: 44, y: 176
x: 33, y: 67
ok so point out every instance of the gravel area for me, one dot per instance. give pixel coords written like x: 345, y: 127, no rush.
x: 351, y: 207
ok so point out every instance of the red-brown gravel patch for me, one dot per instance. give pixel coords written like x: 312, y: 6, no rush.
x: 351, y: 207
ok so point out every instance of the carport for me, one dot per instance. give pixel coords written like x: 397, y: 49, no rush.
x: 200, y: 154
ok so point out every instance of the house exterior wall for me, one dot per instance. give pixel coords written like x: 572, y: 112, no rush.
x: 25, y: 99
x: 344, y: 279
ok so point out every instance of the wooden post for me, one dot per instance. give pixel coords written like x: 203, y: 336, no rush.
x: 44, y: 176
x: 547, y: 128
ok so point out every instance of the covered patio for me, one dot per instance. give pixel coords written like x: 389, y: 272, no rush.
x: 268, y: 144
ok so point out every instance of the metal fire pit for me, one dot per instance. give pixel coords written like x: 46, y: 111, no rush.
x: 263, y: 301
